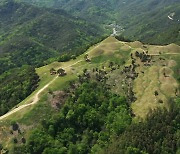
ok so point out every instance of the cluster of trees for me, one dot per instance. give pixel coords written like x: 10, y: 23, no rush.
x: 158, y: 134
x: 87, y: 121
x: 122, y: 38
x: 15, y: 85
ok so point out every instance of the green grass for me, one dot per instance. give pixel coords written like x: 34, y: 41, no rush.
x: 99, y: 59
x: 176, y: 68
x: 62, y: 82
x: 144, y: 85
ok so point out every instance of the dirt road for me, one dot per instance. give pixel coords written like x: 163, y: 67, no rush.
x: 35, y: 97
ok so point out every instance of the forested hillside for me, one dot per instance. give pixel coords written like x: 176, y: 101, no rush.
x: 94, y: 120
x: 85, y: 124
x: 36, y: 36
x: 96, y: 11
x: 118, y: 97
x: 15, y: 86
x: 89, y: 76
x: 146, y: 21
x: 159, y: 134
x: 31, y: 35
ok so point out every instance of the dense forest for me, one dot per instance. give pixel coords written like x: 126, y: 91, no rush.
x: 158, y: 134
x: 15, y: 85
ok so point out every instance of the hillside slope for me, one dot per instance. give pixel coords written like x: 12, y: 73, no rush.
x: 147, y: 21
x: 158, y: 74
x: 147, y: 75
x: 31, y: 35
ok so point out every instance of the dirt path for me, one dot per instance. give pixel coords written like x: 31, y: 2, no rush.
x: 170, y: 18
x: 35, y: 97
x: 164, y: 54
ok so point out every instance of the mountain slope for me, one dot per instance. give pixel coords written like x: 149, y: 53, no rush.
x: 94, y: 11
x: 31, y: 35
x: 146, y: 21
x: 144, y: 74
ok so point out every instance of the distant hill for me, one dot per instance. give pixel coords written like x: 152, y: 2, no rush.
x: 96, y: 11
x: 146, y: 21
x: 31, y: 35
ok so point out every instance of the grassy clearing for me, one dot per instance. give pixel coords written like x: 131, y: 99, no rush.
x: 61, y: 82
x: 144, y: 87
x: 159, y: 77
x: 172, y: 48
x: 118, y: 52
x: 176, y: 68
x: 109, y: 50
x: 29, y: 118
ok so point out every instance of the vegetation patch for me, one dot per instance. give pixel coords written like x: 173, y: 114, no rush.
x: 15, y: 86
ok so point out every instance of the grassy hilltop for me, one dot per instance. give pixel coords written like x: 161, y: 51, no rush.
x: 68, y: 86
x: 147, y: 87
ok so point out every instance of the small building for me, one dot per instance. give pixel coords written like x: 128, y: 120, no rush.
x: 53, y: 71
x: 87, y: 59
x: 61, y: 72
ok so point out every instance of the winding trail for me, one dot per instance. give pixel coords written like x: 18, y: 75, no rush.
x: 36, y: 97
x: 164, y: 54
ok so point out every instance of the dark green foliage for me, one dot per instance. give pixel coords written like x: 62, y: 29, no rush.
x: 158, y: 134
x: 15, y: 140
x: 85, y: 123
x: 14, y: 125
x: 16, y: 85
x: 122, y: 38
x: 61, y: 72
x: 146, y: 21
x: 1, y: 147
x: 78, y: 51
x: 23, y: 140
x: 64, y: 58
x: 31, y: 35
x: 20, y: 150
